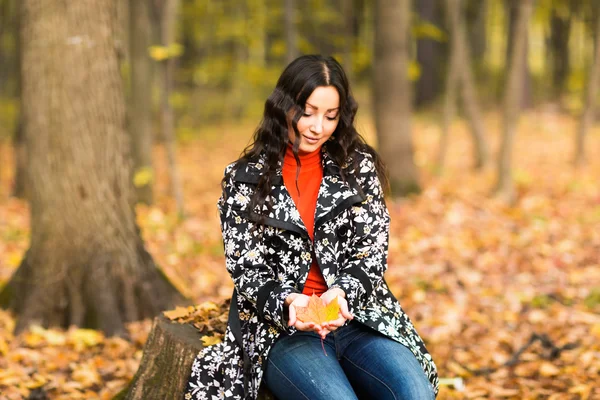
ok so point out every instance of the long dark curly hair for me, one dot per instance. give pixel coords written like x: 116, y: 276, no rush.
x: 287, y: 102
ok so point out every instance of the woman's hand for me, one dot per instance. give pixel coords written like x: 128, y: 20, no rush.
x: 300, y: 300
x: 336, y: 294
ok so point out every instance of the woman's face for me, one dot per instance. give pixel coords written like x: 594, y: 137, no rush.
x: 319, y: 119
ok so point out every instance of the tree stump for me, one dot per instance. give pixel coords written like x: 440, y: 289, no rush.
x: 167, y: 360
x: 168, y: 355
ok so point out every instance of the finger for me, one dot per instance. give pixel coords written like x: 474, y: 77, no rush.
x: 292, y: 314
x: 344, y: 310
x: 304, y: 326
x: 323, y: 333
x: 336, y: 322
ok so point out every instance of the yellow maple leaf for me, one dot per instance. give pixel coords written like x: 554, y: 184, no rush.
x: 178, y: 312
x: 317, y: 311
x: 84, y: 338
x: 210, y: 340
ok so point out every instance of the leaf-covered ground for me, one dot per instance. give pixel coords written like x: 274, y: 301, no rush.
x: 486, y: 284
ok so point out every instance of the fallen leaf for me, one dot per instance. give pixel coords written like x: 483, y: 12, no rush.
x: 317, y: 311
x: 178, y: 312
x: 210, y: 340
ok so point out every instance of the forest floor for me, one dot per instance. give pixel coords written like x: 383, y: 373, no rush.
x: 486, y: 284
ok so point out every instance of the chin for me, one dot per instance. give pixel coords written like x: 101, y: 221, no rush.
x: 309, y: 148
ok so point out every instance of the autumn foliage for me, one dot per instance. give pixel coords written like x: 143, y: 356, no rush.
x: 507, y: 298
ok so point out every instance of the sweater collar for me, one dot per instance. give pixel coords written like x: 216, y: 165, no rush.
x: 306, y: 159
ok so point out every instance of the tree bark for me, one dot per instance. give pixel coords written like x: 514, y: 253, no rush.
x: 588, y: 116
x: 167, y: 32
x: 169, y: 353
x: 347, y: 7
x: 86, y: 264
x: 513, y: 8
x: 504, y: 186
x: 427, y: 87
x: 468, y: 88
x: 140, y: 115
x: 167, y: 362
x: 450, y: 98
x: 392, y: 94
x: 477, y: 22
x: 560, y: 29
x: 20, y: 152
x: 291, y: 32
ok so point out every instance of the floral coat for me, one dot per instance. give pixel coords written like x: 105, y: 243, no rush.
x: 268, y: 263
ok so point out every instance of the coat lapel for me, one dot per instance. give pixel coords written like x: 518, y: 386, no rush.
x: 284, y: 214
x: 334, y: 196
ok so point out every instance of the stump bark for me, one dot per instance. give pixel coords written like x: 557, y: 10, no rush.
x: 168, y: 355
x: 167, y: 362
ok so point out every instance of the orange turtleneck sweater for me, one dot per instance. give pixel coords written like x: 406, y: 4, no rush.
x: 309, y: 180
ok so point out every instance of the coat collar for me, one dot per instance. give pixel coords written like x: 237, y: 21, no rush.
x: 334, y: 196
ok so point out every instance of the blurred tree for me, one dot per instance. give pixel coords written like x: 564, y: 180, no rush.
x: 513, y: 8
x: 429, y: 55
x: 591, y: 96
x: 460, y: 54
x: 476, y: 13
x: 504, y: 186
x: 347, y: 7
x: 140, y: 112
x: 392, y: 98
x: 291, y: 45
x: 560, y: 30
x: 86, y: 265
x: 19, y: 188
x: 168, y: 10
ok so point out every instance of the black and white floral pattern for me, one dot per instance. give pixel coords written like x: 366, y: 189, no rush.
x: 270, y: 260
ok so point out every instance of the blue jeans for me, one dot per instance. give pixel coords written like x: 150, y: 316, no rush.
x: 361, y: 363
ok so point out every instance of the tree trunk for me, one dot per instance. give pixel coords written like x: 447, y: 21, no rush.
x: 169, y: 352
x: 167, y: 33
x: 560, y: 29
x: 167, y: 362
x: 291, y: 33
x: 392, y: 98
x: 477, y: 11
x: 347, y: 8
x: 140, y: 115
x: 513, y: 8
x: 20, y: 152
x: 504, y: 186
x: 468, y: 88
x: 427, y: 87
x: 450, y: 97
x: 86, y: 264
x: 588, y: 116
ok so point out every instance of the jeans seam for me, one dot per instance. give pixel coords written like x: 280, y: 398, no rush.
x: 373, y: 376
x: 288, y: 379
x: 358, y: 336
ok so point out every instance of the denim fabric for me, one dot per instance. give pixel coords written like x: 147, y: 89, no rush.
x: 360, y: 364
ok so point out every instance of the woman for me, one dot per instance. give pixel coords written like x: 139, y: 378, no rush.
x: 302, y: 213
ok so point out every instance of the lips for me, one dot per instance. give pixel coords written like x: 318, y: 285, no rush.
x: 310, y: 140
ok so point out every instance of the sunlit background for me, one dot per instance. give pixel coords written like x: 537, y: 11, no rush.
x: 501, y: 280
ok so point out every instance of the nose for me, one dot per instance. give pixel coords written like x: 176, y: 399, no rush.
x: 317, y: 126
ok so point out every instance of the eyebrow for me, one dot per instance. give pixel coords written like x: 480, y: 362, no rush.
x: 316, y: 108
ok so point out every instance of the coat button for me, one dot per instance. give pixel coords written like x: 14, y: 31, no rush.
x: 275, y: 242
x: 343, y: 231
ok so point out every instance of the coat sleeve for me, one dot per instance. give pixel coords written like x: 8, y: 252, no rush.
x: 367, y: 261
x: 245, y: 258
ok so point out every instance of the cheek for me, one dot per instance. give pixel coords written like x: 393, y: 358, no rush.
x: 330, y: 128
x: 303, y: 125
